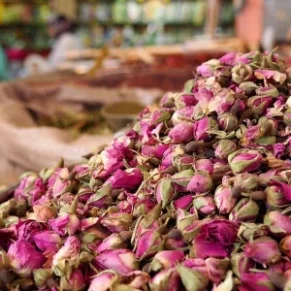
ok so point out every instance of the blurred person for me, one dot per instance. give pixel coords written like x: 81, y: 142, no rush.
x: 62, y: 33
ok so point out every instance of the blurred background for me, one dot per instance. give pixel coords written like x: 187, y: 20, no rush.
x: 74, y: 72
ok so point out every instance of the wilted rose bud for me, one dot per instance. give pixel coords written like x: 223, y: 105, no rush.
x: 207, y: 68
x: 259, y: 104
x: 169, y: 155
x: 159, y: 115
x: 47, y: 240
x: 166, y: 259
x: 266, y: 178
x: 204, y: 204
x: 183, y: 202
x: 184, y: 100
x: 246, y: 182
x: 24, y: 258
x: 256, y: 281
x: 183, y: 162
x: 276, y: 197
x: 217, y: 269
x: 278, y: 222
x: 244, y: 161
x: 104, y: 281
x: 182, y: 179
x: 224, y: 199
x: 142, y: 206
x: 245, y: 210
x: 65, y: 224
x: 154, y: 151
x: 182, y: 115
x: 148, y: 243
x: 174, y: 240
x: 91, y: 238
x: 249, y: 231
x: 166, y: 280
x: 117, y: 222
x: 188, y: 224
x: 75, y: 281
x: 41, y: 276
x: 263, y: 74
x: 43, y: 213
x: 224, y: 148
x: 201, y: 182
x: 241, y: 264
x: 181, y: 133
x: 192, y: 279
x: 27, y: 229
x: 112, y: 242
x: 241, y: 73
x: 248, y: 87
x: 202, y: 126
x: 63, y: 183
x: 285, y: 246
x: 263, y: 250
x: 68, y: 255
x: 165, y: 192
x: 227, y: 121
x: 205, y: 165
x: 121, y: 261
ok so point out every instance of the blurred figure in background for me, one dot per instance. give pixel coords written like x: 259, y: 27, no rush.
x: 62, y: 32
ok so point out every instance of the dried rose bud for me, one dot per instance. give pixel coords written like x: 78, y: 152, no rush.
x: 192, y: 279
x: 68, y: 255
x: 183, y: 162
x: 183, y: 202
x: 263, y: 74
x: 26, y: 229
x: 285, y: 246
x: 227, y: 121
x: 121, y: 261
x: 24, y: 258
x: 259, y: 104
x: 249, y: 231
x: 41, y: 276
x: 63, y: 183
x: 204, y: 204
x: 142, y: 206
x: 102, y: 198
x: 241, y: 264
x: 224, y: 148
x: 183, y: 178
x: 287, y: 117
x: 117, y: 222
x: 248, y: 87
x: 65, y: 224
x: 182, y: 115
x: 246, y: 182
x: 205, y: 165
x: 43, y: 213
x: 263, y: 250
x: 244, y: 161
x: 216, y: 269
x: 201, y: 182
x: 278, y: 222
x: 112, y: 242
x: 47, y: 240
x: 166, y: 280
x: 184, y: 100
x: 256, y: 281
x: 276, y: 197
x: 181, y: 133
x: 75, y: 281
x: 202, y: 126
x: 166, y: 259
x: 148, y: 243
x: 241, y: 73
x: 160, y: 115
x: 224, y: 199
x: 154, y: 151
x: 91, y: 238
x: 104, y: 281
x: 207, y: 68
x: 245, y: 210
x: 165, y: 192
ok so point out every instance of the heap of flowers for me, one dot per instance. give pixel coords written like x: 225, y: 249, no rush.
x: 195, y: 196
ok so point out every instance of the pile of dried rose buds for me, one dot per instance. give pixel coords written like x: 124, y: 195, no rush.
x: 195, y: 196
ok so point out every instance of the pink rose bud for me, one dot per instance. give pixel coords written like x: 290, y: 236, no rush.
x: 207, y: 68
x: 202, y: 126
x: 217, y: 269
x: 181, y: 133
x: 139, y: 279
x: 129, y: 179
x: 196, y: 264
x: 24, y: 258
x: 91, y: 238
x: 76, y: 281
x: 241, y: 264
x: 166, y: 280
x: 88, y: 222
x: 170, y: 153
x: 184, y: 162
x: 201, y: 182
x: 229, y: 59
x: 166, y: 259
x: 68, y: 254
x: 47, y: 240
x: 216, y: 239
x: 263, y: 250
x: 204, y: 165
x: 263, y: 74
x: 43, y: 213
x: 27, y: 229
x: 112, y: 242
x: 117, y: 222
x: 255, y: 281
x: 143, y: 206
x: 241, y: 72
x: 224, y: 148
x: 285, y: 246
x: 260, y: 104
x: 160, y: 115
x: 41, y: 277
x: 65, y: 224
x: 182, y: 115
x: 246, y: 210
x: 154, y: 151
x: 266, y: 178
x: 63, y: 183
x: 224, y: 199
x: 121, y: 261
x: 227, y: 121
x: 185, y: 100
x: 244, y: 161
x: 278, y: 222
x: 101, y: 199
x: 192, y: 279
x: 165, y: 192
x: 276, y: 197
x: 246, y: 182
x: 249, y: 231
x: 183, y: 202
x: 148, y: 243
x: 204, y: 204
x: 182, y: 179
x: 103, y: 281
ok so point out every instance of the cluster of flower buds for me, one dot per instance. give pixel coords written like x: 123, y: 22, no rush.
x: 195, y: 196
